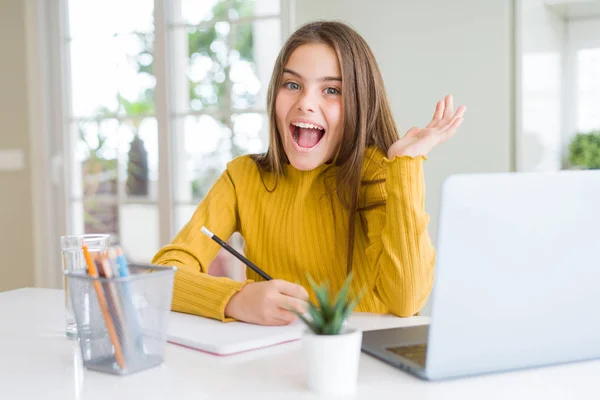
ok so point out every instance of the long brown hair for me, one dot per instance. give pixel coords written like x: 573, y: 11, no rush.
x: 367, y: 116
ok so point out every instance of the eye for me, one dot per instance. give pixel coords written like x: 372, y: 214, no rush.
x: 332, y: 91
x: 292, y: 86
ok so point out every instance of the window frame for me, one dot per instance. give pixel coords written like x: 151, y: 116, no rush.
x: 583, y: 33
x: 48, y: 25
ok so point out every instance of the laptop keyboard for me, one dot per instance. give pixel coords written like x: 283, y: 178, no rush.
x: 416, y: 353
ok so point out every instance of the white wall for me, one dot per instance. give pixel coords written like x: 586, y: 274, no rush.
x: 427, y: 49
x: 541, y: 47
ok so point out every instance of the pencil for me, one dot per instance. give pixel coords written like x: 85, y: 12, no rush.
x: 93, y: 272
x: 123, y: 271
x: 236, y: 254
x: 106, y: 271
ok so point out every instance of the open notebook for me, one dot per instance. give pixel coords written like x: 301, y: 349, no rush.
x: 228, y: 338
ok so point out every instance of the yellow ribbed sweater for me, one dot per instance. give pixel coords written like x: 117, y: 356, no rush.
x: 299, y: 228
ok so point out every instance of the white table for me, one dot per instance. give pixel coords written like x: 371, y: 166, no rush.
x: 38, y: 362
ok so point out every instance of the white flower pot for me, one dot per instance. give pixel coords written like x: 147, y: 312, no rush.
x: 332, y: 361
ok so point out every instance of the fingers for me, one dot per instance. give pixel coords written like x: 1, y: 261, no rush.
x: 439, y: 111
x: 448, y: 107
x: 455, y: 125
x: 291, y: 289
x: 442, y: 108
x: 292, y: 304
x: 266, y: 303
x: 447, y: 134
x: 459, y: 114
x: 443, y: 113
x: 283, y: 317
x: 461, y: 111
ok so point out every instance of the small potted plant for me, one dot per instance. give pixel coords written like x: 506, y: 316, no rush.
x: 584, y: 150
x: 332, y: 349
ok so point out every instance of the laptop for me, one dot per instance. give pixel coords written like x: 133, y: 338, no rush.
x: 517, y: 280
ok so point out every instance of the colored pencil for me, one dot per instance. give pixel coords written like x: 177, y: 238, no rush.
x: 93, y: 272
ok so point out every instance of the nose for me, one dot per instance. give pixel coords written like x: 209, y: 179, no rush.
x: 307, y: 102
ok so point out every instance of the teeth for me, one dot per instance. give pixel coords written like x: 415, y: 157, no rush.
x: 305, y: 125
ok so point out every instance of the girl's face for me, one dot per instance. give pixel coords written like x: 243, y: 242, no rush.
x: 308, y: 106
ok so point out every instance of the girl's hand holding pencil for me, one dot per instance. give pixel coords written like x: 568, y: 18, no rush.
x: 263, y: 303
x: 268, y: 303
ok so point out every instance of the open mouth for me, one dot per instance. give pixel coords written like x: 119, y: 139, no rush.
x: 306, y: 135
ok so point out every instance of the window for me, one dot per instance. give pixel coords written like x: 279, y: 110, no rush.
x: 213, y: 60
x: 540, y: 139
x: 583, y: 77
x: 588, y: 90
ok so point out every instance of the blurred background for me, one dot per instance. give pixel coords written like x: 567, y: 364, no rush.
x: 117, y: 116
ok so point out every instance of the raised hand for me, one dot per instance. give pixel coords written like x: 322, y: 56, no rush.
x: 268, y: 303
x: 443, y: 125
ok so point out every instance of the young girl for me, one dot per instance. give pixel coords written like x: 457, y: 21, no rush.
x: 337, y: 191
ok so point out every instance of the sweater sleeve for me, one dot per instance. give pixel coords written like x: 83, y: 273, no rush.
x: 194, y: 291
x: 400, y: 251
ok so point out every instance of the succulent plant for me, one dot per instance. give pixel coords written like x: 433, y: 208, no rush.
x: 328, y: 317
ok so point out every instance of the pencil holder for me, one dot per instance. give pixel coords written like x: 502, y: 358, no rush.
x: 123, y: 329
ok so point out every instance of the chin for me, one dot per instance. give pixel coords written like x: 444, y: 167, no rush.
x: 306, y: 163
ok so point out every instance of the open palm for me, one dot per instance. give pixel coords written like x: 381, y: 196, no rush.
x: 444, y: 124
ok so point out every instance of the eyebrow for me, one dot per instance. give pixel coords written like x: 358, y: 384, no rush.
x: 323, y: 79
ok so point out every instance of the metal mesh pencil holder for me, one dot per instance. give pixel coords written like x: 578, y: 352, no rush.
x: 123, y: 328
